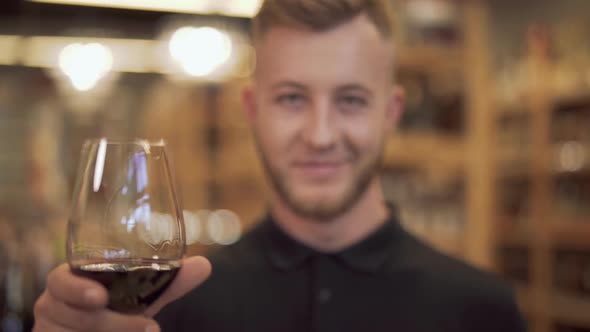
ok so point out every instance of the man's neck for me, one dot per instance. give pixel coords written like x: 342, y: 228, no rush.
x: 368, y: 214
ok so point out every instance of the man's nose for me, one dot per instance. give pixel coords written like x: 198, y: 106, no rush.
x: 320, y: 130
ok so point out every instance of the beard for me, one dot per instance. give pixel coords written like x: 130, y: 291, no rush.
x: 326, y: 209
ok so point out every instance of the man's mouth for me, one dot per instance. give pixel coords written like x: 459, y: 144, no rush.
x: 318, y: 169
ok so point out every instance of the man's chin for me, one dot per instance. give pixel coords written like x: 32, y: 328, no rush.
x: 318, y: 208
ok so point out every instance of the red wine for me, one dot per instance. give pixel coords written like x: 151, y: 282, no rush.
x: 133, y: 285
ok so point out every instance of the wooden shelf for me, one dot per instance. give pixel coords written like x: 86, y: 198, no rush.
x: 571, y: 234
x: 513, y: 107
x: 564, y: 234
x: 573, y: 100
x: 510, y: 232
x: 565, y: 308
x: 518, y: 167
x: 584, y: 171
x: 571, y: 309
x: 511, y: 166
x: 519, y: 104
x: 431, y: 59
x: 425, y: 150
x: 486, y: 163
x: 524, y: 299
x: 450, y: 244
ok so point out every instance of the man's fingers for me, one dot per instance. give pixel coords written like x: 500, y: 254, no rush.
x: 76, y: 291
x: 194, y: 271
x: 64, y: 315
x: 76, y: 303
x: 42, y: 325
x: 104, y: 321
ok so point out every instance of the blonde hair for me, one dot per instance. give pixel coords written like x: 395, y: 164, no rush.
x: 321, y: 15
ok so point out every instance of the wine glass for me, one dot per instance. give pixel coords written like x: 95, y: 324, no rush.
x: 126, y: 227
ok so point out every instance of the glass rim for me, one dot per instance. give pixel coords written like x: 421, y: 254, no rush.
x: 137, y: 141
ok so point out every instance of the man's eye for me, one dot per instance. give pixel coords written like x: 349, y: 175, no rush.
x: 291, y: 100
x: 351, y: 103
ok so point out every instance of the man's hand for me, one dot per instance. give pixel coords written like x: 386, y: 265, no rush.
x: 72, y: 303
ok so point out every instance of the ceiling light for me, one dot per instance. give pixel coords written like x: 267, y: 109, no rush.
x: 240, y: 8
x: 85, y: 64
x: 200, y: 51
x: 9, y: 46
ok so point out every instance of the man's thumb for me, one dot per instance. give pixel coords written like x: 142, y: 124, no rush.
x: 193, y: 272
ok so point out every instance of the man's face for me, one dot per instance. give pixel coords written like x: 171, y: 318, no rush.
x: 321, y: 108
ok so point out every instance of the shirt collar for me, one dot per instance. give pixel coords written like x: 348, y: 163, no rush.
x: 368, y: 255
x: 284, y: 252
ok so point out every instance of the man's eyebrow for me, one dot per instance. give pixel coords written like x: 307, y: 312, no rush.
x: 288, y: 84
x: 354, y: 87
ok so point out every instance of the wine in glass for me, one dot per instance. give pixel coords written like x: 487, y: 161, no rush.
x: 126, y: 229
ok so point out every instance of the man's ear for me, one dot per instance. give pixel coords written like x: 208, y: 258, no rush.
x: 249, y: 102
x: 395, y: 106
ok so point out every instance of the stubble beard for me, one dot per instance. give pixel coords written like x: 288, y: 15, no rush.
x: 325, y: 210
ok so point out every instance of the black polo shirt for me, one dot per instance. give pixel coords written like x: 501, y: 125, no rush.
x: 390, y: 281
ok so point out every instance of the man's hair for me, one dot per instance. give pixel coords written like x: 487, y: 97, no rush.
x: 321, y: 15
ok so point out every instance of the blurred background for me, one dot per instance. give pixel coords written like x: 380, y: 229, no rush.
x: 491, y: 162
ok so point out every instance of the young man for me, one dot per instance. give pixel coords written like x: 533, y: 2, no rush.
x: 331, y: 255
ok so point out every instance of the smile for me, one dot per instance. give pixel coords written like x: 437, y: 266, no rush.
x: 315, y: 169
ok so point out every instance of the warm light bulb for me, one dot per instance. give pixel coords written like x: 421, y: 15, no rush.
x: 247, y: 8
x: 200, y: 51
x: 85, y: 64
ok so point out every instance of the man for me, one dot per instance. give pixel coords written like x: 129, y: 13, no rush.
x: 331, y: 255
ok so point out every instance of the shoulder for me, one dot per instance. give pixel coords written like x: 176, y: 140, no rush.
x: 441, y: 269
x: 461, y: 289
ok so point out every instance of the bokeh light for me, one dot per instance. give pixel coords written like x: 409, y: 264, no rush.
x: 85, y: 64
x: 200, y: 51
x: 224, y: 227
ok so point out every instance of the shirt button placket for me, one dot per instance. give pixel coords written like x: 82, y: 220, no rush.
x: 323, y: 293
